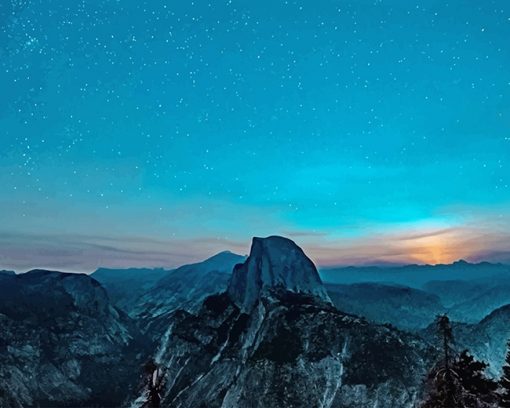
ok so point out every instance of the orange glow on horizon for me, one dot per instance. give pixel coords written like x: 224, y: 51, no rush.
x: 434, y: 250
x: 440, y: 246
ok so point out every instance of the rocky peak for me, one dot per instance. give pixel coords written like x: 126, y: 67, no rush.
x: 221, y: 262
x: 274, y: 263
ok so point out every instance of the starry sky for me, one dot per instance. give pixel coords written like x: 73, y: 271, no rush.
x: 155, y: 133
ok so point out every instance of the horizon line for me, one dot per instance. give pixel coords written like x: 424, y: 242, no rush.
x: 318, y: 266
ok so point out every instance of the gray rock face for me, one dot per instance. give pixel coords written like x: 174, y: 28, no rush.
x: 274, y: 262
x: 487, y: 339
x: 125, y: 285
x: 186, y: 287
x: 62, y: 343
x: 275, y: 340
x: 490, y: 338
x: 183, y: 288
x: 290, y: 351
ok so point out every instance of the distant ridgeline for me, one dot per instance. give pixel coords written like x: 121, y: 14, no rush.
x: 416, y: 275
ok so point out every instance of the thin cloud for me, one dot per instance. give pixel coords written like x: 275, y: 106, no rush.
x: 305, y: 234
x: 383, y: 244
x: 429, y: 234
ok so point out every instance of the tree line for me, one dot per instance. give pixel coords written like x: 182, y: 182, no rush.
x: 460, y: 381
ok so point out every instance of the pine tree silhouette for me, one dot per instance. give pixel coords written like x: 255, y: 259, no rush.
x: 458, y: 382
x: 443, y: 380
x: 477, y: 389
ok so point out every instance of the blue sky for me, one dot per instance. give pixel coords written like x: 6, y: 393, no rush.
x: 156, y: 133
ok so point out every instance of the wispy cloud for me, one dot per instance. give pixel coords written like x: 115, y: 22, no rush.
x: 85, y: 253
x: 305, y: 234
x: 472, y: 235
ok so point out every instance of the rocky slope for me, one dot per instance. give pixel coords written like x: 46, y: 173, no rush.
x: 404, y: 307
x: 274, y: 339
x: 62, y: 343
x: 183, y: 288
x: 486, y: 340
x: 124, y: 285
x: 471, y: 301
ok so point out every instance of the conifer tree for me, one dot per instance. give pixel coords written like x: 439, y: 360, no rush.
x: 458, y: 382
x: 443, y: 390
x: 476, y: 388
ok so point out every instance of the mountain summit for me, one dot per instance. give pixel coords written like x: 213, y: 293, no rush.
x: 275, y: 340
x: 274, y: 263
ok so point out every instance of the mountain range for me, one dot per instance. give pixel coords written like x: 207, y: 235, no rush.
x: 267, y: 330
x: 273, y: 338
x: 416, y: 275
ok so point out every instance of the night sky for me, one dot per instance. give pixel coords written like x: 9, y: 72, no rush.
x: 157, y: 133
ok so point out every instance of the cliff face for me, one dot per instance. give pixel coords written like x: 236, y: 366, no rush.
x: 63, y: 343
x: 183, y: 288
x: 275, y: 340
x: 274, y: 263
x: 486, y: 340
